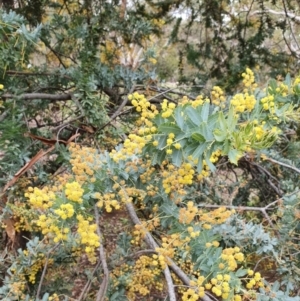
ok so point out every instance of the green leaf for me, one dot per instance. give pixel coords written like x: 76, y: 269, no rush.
x: 220, y: 135
x: 162, y: 141
x: 222, y: 122
x: 193, y: 115
x: 177, y: 157
x: 178, y: 117
x: 158, y: 157
x: 170, y: 209
x: 212, y: 120
x: 272, y: 85
x: 241, y: 272
x: 206, y: 131
x: 45, y: 297
x: 211, y: 166
x: 226, y: 147
x: 205, y: 111
x: 191, y: 148
x: 288, y: 80
x: 168, y: 128
x: 199, y: 150
x: 231, y: 120
x: 198, y: 137
x: 200, y: 165
x: 234, y: 155
x: 158, y: 120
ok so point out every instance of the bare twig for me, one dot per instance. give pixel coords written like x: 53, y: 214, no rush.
x: 66, y: 123
x: 88, y: 284
x: 31, y: 96
x: 44, y: 271
x: 275, y: 188
x: 26, y: 73
x: 118, y: 111
x: 284, y: 164
x: 104, y: 285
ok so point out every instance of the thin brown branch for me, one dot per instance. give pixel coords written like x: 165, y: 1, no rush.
x: 44, y: 271
x: 291, y: 27
x: 26, y: 73
x: 66, y: 123
x: 152, y: 244
x: 87, y: 286
x: 118, y: 111
x: 32, y: 96
x: 284, y: 164
x: 104, y: 285
x: 275, y: 188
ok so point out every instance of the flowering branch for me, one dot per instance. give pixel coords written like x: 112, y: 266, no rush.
x: 152, y: 244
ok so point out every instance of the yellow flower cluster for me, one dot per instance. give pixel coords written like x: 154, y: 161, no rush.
x: 88, y: 237
x: 215, y: 217
x: 259, y: 132
x: 219, y: 285
x: 152, y: 60
x: 65, y: 211
x: 243, y: 102
x: 283, y: 89
x: 215, y: 156
x: 194, y: 103
x: 217, y: 96
x: 40, y: 198
x: 54, y: 297
x: 175, y: 178
x: 1, y: 87
x: 187, y: 215
x: 170, y: 143
x: 248, y: 79
x: 108, y: 200
x: 158, y: 22
x: 140, y: 229
x: 255, y: 281
x: 167, y: 108
x: 22, y: 216
x: 231, y: 256
x: 50, y: 229
x: 193, y: 294
x: 268, y: 103
x: 74, y: 192
x: 193, y: 233
x: 205, y: 171
x: 16, y: 290
x: 145, y: 277
x: 110, y: 53
x: 149, y: 171
x: 198, y: 101
x: 36, y: 267
x: 139, y: 233
x: 143, y: 106
x: 136, y: 141
x: 296, y: 83
x: 84, y: 162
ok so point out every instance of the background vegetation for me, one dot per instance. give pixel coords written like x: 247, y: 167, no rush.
x: 149, y: 150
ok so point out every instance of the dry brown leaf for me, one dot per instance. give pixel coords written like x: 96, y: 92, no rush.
x: 10, y: 229
x: 36, y: 158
